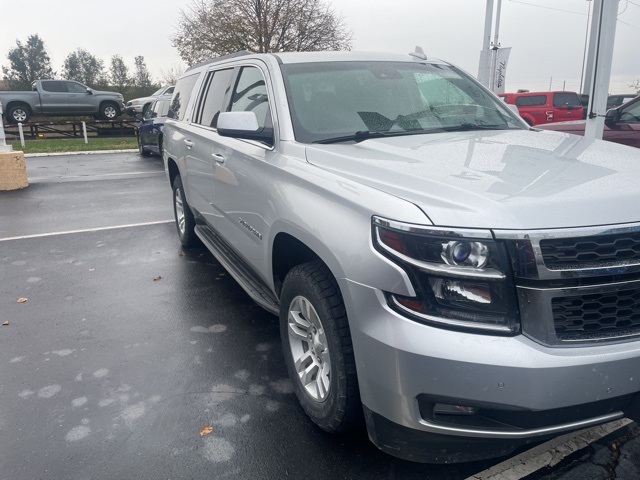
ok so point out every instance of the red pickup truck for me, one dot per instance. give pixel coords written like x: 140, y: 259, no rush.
x: 545, y: 107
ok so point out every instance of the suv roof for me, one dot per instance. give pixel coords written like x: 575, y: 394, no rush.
x: 307, y: 57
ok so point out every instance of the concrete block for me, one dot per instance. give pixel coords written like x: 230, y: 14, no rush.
x: 13, y: 171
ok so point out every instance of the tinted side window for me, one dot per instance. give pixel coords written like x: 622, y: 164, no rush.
x: 630, y: 113
x: 52, y: 86
x: 217, y: 86
x: 531, y: 100
x: 566, y: 99
x: 250, y: 95
x: 181, y: 96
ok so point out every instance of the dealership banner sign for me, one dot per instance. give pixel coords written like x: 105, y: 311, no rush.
x: 500, y: 70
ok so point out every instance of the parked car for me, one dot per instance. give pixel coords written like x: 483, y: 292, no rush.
x: 468, y: 283
x: 150, y: 127
x: 621, y: 125
x: 617, y: 100
x: 545, y: 107
x: 139, y: 105
x: 612, y: 101
x: 60, y: 98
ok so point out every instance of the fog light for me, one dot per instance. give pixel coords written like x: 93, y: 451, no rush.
x: 443, y: 409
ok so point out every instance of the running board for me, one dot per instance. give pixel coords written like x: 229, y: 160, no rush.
x: 237, y: 267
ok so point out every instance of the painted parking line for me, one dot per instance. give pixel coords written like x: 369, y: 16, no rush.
x: 549, y: 453
x: 85, y: 230
x: 56, y: 177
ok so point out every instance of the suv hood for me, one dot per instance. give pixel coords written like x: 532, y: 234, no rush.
x: 502, y: 179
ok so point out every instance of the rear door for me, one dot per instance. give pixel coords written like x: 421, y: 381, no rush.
x: 533, y: 108
x: 202, y: 141
x: 53, y: 95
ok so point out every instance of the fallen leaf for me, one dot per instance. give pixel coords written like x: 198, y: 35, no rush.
x: 22, y: 300
x: 5, y: 323
x: 155, y: 279
x: 92, y: 269
x: 182, y: 254
x: 206, y: 430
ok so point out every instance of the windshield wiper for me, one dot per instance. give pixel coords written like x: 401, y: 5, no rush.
x: 362, y: 135
x: 464, y: 127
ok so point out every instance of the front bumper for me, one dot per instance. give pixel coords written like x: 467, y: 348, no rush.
x: 521, y: 391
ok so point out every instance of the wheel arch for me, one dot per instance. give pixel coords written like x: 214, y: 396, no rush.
x: 17, y: 103
x: 286, y: 253
x: 172, y: 170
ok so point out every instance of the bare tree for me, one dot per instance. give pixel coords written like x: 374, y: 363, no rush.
x: 171, y: 76
x: 217, y: 27
x: 636, y: 86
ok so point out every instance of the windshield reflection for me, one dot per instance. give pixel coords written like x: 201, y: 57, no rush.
x: 353, y: 101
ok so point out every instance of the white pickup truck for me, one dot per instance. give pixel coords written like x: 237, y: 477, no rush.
x: 464, y: 283
x: 60, y: 98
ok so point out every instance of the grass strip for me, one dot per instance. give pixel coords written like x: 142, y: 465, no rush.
x: 74, y: 144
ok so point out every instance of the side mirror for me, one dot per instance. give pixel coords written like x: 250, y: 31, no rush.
x: 243, y: 125
x: 612, y: 117
x: 89, y: 91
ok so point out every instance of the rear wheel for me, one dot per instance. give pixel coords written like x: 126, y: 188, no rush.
x: 18, y: 114
x: 185, y: 222
x: 317, y: 347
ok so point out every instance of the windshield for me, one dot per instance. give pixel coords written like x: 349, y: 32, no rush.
x: 340, y: 101
x: 157, y: 92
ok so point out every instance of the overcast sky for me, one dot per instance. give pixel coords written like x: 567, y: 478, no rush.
x: 547, y: 36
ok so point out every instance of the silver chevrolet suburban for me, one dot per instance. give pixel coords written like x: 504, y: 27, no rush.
x: 463, y: 283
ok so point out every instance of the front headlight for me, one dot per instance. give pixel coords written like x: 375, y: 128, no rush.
x: 461, y: 277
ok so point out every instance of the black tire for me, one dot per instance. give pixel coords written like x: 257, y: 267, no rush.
x: 18, y: 114
x: 331, y: 396
x: 143, y: 151
x: 109, y: 111
x: 185, y: 222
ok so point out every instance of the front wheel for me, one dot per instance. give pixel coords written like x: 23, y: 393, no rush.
x: 317, y: 347
x: 185, y: 222
x: 109, y: 111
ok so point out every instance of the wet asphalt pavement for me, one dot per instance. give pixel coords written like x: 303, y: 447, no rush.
x: 127, y: 346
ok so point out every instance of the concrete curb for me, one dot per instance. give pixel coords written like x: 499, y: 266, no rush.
x: 92, y: 152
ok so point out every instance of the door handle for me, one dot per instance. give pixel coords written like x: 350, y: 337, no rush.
x: 217, y: 157
x: 188, y: 143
